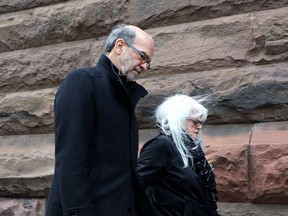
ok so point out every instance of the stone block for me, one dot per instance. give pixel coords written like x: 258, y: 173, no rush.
x: 45, y: 67
x: 27, y: 165
x: 248, y: 209
x: 8, y: 6
x: 72, y: 20
x: 227, y: 151
x: 28, y: 112
x: 21, y: 207
x: 235, y: 95
x: 269, y: 159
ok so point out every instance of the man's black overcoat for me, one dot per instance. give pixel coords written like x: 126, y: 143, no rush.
x: 96, y: 138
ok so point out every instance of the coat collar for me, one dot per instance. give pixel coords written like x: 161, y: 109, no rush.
x: 134, y: 91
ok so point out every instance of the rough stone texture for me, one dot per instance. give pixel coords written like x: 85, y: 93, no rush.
x: 27, y: 165
x: 226, y: 43
x: 27, y: 112
x: 70, y: 21
x: 232, y: 43
x: 227, y: 151
x: 241, y: 209
x: 269, y: 157
x: 76, y: 20
x: 250, y: 161
x: 43, y: 67
x: 234, y: 51
x: 219, y: 43
x: 7, y: 6
x: 232, y: 93
x: 22, y: 207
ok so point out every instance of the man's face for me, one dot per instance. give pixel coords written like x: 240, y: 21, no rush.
x: 135, y: 60
x: 130, y: 65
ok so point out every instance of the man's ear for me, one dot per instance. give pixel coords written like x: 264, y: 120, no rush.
x: 119, y: 44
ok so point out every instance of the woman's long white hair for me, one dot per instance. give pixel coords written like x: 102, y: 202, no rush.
x: 171, y: 117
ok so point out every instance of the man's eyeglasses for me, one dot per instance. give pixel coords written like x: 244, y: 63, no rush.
x: 197, y: 123
x: 144, y: 57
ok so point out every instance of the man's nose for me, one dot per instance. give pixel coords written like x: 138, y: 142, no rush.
x: 144, y: 66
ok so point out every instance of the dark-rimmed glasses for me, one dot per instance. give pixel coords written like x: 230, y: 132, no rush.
x: 144, y: 57
x: 197, y: 123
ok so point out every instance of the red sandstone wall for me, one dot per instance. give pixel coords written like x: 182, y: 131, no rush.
x: 235, y: 51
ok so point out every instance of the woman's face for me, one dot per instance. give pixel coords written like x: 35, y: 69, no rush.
x: 193, y: 127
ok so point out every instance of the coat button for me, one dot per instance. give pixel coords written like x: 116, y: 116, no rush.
x: 129, y: 208
x: 73, y: 212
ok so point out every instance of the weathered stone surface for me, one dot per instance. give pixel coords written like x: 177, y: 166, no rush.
x: 7, y: 6
x: 69, y: 21
x: 233, y: 41
x: 269, y: 159
x: 202, y: 47
x: 22, y: 207
x: 192, y: 47
x: 74, y: 20
x: 238, y: 95
x: 245, y: 209
x: 44, y: 67
x: 227, y: 151
x: 27, y: 165
x: 27, y: 112
x: 152, y: 13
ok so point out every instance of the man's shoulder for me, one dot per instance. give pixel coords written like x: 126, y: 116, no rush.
x: 87, y: 71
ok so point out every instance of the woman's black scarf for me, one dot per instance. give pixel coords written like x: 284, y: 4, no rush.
x: 205, y: 172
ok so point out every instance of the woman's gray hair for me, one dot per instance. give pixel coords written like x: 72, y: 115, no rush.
x: 119, y: 31
x: 171, y: 117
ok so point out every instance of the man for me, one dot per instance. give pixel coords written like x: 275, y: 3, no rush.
x: 96, y: 133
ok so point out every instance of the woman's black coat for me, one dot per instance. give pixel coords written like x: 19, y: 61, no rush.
x: 96, y: 138
x: 173, y: 190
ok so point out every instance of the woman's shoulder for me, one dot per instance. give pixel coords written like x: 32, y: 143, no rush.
x: 160, y: 142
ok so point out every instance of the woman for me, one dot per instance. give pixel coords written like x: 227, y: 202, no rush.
x: 172, y: 166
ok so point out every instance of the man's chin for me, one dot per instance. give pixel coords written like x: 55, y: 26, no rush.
x: 131, y: 78
x: 132, y: 75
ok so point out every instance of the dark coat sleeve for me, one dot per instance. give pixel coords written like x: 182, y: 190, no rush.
x: 74, y: 119
x: 152, y: 161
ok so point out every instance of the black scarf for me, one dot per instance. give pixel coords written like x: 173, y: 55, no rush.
x: 205, y: 172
